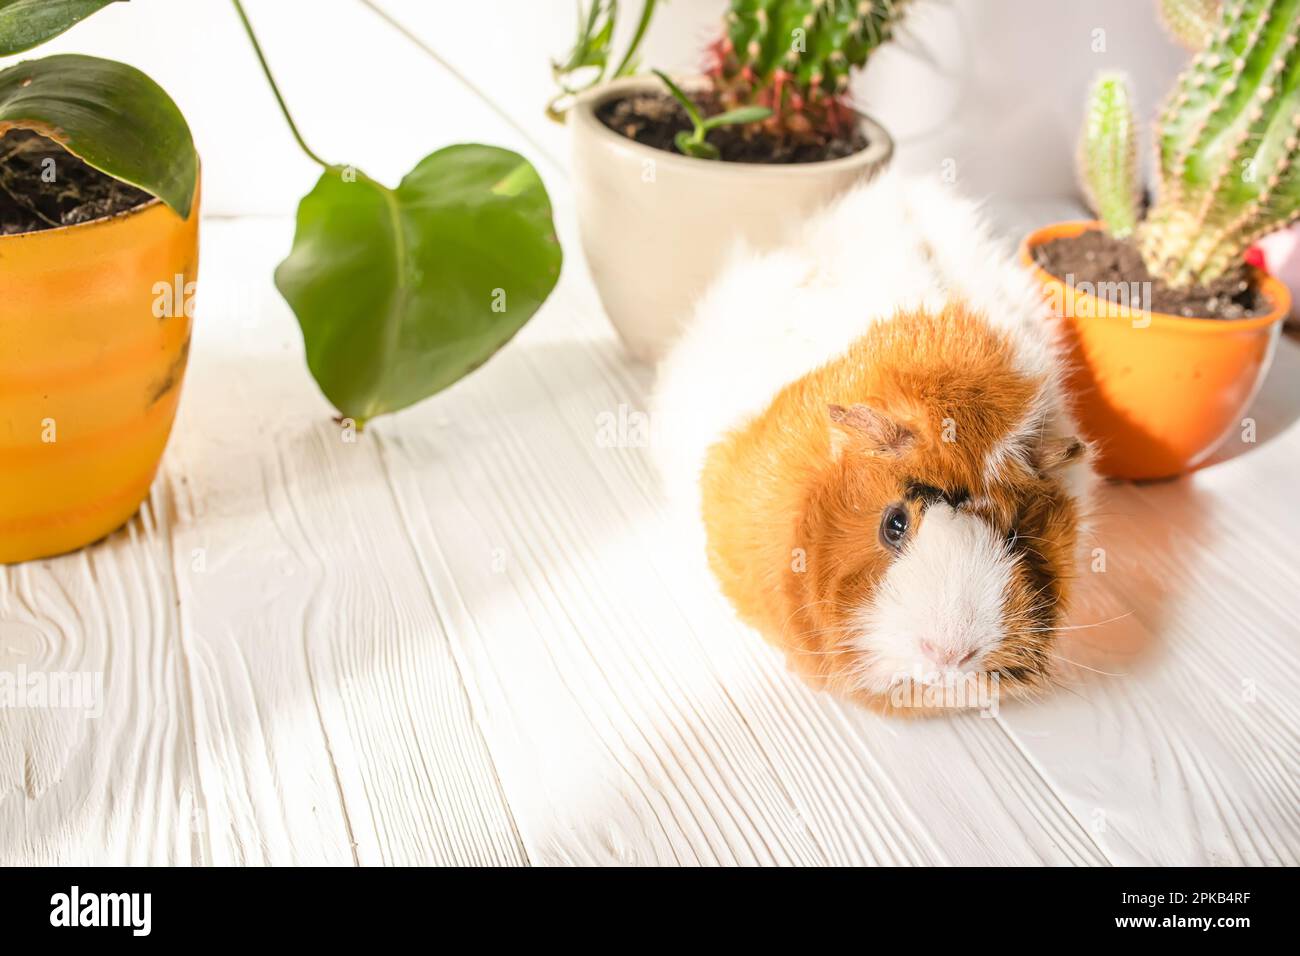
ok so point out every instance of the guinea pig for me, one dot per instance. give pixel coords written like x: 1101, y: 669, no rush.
x: 870, y: 425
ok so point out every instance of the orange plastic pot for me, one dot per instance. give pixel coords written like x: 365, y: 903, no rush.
x: 1157, y: 393
x: 94, y: 334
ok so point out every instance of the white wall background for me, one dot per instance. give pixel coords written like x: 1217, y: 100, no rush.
x: 997, y: 89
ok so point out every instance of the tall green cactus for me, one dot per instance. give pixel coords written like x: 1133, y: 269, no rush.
x: 795, y: 56
x: 1108, y: 155
x: 1229, y: 145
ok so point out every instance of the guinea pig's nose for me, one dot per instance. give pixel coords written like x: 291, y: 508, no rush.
x: 935, y: 655
x: 945, y: 657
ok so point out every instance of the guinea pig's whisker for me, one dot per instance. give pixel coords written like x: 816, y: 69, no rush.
x: 1067, y: 660
x: 1029, y: 537
x: 822, y: 631
x: 1067, y: 689
x: 1033, y: 598
x: 828, y: 652
x: 1082, y: 627
x: 1092, y: 645
x: 837, y: 605
x: 785, y: 625
x: 843, y: 636
x: 809, y: 632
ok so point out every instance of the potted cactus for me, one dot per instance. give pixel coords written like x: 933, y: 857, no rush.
x: 671, y: 174
x: 1171, y: 322
x: 99, y: 197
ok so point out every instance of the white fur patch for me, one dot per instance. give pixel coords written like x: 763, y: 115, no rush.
x: 768, y: 320
x: 947, y: 589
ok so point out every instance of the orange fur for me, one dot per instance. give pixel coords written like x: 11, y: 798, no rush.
x: 792, y: 500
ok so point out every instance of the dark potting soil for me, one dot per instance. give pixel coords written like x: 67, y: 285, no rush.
x: 655, y: 119
x: 29, y: 202
x: 1095, y: 257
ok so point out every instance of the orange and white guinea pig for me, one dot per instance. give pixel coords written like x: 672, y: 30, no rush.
x: 870, y: 423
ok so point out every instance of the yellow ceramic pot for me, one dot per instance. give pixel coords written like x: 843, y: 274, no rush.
x: 94, y: 334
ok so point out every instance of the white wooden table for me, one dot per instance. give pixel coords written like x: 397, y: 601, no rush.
x: 472, y: 637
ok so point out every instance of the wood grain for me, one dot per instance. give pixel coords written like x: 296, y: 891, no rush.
x: 112, y: 789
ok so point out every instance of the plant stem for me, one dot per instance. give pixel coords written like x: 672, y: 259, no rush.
x: 266, y: 70
x: 460, y: 78
x: 647, y: 14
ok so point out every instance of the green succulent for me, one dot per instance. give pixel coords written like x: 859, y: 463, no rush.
x: 796, y: 56
x: 1228, y: 141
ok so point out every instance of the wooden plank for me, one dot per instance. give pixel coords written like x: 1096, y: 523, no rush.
x: 106, y: 780
x: 330, y: 706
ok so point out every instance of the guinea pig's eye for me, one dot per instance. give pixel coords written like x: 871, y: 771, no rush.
x: 893, y: 527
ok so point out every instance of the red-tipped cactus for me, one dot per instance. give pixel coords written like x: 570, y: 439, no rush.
x: 795, y: 57
x: 1229, y: 144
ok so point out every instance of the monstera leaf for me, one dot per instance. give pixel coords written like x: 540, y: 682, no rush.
x: 28, y: 23
x: 400, y: 292
x: 109, y: 114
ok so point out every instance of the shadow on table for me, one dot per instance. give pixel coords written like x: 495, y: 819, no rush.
x: 1146, y: 533
x: 1275, y: 409
x: 1128, y: 577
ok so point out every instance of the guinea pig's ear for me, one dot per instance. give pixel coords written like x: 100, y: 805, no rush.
x: 1059, y: 451
x: 869, y: 429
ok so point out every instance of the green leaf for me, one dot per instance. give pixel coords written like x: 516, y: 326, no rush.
x: 28, y: 23
x: 688, y: 145
x: 687, y: 103
x: 746, y: 114
x: 401, y: 292
x: 109, y: 114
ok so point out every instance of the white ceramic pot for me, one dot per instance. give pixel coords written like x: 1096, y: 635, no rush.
x: 657, y: 226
